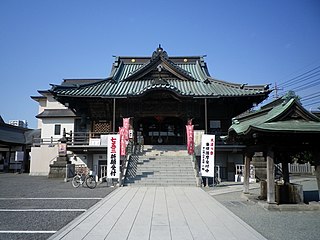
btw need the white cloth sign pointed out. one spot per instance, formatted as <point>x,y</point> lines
<point>113,156</point>
<point>207,155</point>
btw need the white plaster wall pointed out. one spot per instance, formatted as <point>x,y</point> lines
<point>41,158</point>
<point>79,159</point>
<point>42,106</point>
<point>96,159</point>
<point>47,130</point>
<point>48,103</point>
<point>52,103</point>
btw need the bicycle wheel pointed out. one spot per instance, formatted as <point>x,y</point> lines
<point>91,182</point>
<point>76,181</point>
<point>215,181</point>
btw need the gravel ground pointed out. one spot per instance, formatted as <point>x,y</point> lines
<point>15,188</point>
<point>275,225</point>
<point>36,195</point>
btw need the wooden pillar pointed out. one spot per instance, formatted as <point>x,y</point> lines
<point>270,177</point>
<point>316,160</point>
<point>114,116</point>
<point>205,116</point>
<point>247,160</point>
<point>285,171</point>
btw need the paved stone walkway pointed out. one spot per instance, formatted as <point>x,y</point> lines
<point>178,213</point>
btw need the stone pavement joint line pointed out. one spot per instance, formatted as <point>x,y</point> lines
<point>176,213</point>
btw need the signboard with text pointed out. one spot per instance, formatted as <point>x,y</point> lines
<point>113,156</point>
<point>207,155</point>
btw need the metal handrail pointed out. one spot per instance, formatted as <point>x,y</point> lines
<point>124,166</point>
<point>196,169</point>
<point>73,138</point>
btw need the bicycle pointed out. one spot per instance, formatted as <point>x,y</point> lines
<point>80,179</point>
<point>216,181</point>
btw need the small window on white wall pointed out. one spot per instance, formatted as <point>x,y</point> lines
<point>215,124</point>
<point>57,129</point>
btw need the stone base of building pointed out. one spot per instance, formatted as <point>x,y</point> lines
<point>59,168</point>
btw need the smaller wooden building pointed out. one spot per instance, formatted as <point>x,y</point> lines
<point>15,140</point>
<point>279,130</point>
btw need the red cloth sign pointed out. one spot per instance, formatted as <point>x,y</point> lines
<point>190,139</point>
<point>122,142</point>
<point>126,125</point>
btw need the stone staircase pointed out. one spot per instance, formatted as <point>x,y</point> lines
<point>161,165</point>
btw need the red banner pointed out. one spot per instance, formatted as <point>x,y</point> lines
<point>126,124</point>
<point>190,139</point>
<point>122,142</point>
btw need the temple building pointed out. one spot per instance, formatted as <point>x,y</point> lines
<point>159,94</point>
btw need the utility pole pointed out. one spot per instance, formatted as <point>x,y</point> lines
<point>276,95</point>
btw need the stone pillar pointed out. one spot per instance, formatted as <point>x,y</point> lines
<point>246,176</point>
<point>270,177</point>
<point>58,167</point>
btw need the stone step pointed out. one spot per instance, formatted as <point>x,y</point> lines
<point>165,184</point>
<point>160,171</point>
<point>163,175</point>
<point>160,180</point>
<point>165,169</point>
<point>154,163</point>
<point>164,162</point>
<point>162,166</point>
<point>160,161</point>
<point>165,157</point>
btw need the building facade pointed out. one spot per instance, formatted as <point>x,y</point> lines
<point>159,94</point>
<point>15,146</point>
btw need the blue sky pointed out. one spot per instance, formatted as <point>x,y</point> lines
<point>249,41</point>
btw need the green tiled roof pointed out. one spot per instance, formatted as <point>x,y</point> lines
<point>185,76</point>
<point>287,116</point>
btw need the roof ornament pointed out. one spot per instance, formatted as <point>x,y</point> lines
<point>159,49</point>
<point>243,85</point>
<point>288,96</point>
<point>159,52</point>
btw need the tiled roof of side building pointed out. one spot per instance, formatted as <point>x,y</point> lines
<point>285,116</point>
<point>51,113</point>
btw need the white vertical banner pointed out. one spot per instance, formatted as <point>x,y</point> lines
<point>19,156</point>
<point>207,155</point>
<point>113,156</point>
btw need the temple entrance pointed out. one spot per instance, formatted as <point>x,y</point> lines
<point>159,130</point>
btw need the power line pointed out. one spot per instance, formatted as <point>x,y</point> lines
<point>310,97</point>
<point>308,85</point>
<point>292,79</point>
<point>299,80</point>
<point>309,104</point>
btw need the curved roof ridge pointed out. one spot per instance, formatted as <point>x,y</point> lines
<point>78,86</point>
<point>239,85</point>
<point>181,70</point>
<point>157,60</point>
<point>117,72</point>
<point>167,86</point>
<point>287,105</point>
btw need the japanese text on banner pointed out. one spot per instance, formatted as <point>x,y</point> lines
<point>207,155</point>
<point>190,139</point>
<point>126,125</point>
<point>113,156</point>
